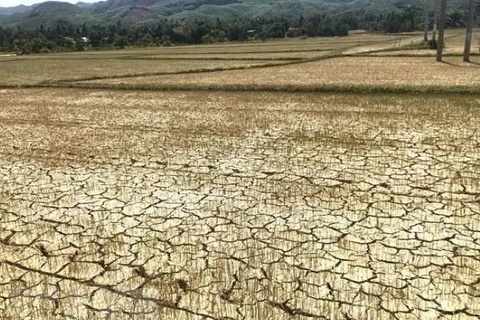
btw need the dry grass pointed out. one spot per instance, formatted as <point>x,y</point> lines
<point>454,45</point>
<point>455,41</point>
<point>217,113</point>
<point>189,206</point>
<point>405,53</point>
<point>30,71</point>
<point>244,56</point>
<point>387,44</point>
<point>282,45</point>
<point>288,46</point>
<point>345,71</point>
<point>150,61</point>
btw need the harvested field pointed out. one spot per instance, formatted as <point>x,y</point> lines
<point>455,44</point>
<point>342,72</point>
<point>406,53</point>
<point>277,46</point>
<point>31,71</point>
<point>250,205</point>
<point>238,206</point>
<point>284,55</point>
<point>283,45</point>
<point>389,43</point>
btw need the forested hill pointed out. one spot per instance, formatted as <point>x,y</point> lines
<point>145,22</point>
<point>135,11</point>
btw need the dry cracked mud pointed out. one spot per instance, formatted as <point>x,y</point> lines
<point>138,205</point>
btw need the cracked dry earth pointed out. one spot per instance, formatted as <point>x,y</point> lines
<point>139,205</point>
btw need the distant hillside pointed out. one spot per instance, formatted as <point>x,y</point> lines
<point>84,4</point>
<point>54,8</point>
<point>134,11</point>
<point>13,10</point>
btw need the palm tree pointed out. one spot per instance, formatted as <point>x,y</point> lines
<point>441,30</point>
<point>468,35</point>
<point>426,20</point>
<point>455,19</point>
<point>435,22</point>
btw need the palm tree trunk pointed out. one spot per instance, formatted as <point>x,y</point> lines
<point>468,35</point>
<point>441,30</point>
<point>426,22</point>
<point>435,23</point>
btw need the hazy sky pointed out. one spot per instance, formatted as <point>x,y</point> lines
<point>12,3</point>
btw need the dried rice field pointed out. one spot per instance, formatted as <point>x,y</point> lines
<point>341,71</point>
<point>248,205</point>
<point>273,55</point>
<point>32,71</point>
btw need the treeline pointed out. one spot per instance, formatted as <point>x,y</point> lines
<point>65,36</point>
<point>404,19</point>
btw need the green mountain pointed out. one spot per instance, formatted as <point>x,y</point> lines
<point>13,10</point>
<point>135,11</point>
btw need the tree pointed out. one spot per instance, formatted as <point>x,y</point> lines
<point>468,34</point>
<point>429,13</point>
<point>3,40</point>
<point>409,15</point>
<point>96,35</point>
<point>435,23</point>
<point>455,19</point>
<point>426,19</point>
<point>441,30</point>
<point>7,39</point>
<point>199,30</point>
<point>120,42</point>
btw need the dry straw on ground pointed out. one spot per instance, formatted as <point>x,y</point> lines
<point>342,71</point>
<point>193,205</point>
<point>31,71</point>
<point>238,206</point>
<point>294,55</point>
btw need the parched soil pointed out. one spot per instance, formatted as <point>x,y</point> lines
<point>196,205</point>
